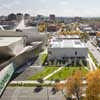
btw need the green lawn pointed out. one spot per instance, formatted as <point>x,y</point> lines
<point>66,72</point>
<point>46,71</point>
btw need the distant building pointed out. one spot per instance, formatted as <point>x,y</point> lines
<point>19,16</point>
<point>31,35</point>
<point>27,16</point>
<point>3,18</point>
<point>8,25</point>
<point>69,37</point>
<point>77,19</point>
<point>52,28</point>
<point>52,17</point>
<point>39,18</point>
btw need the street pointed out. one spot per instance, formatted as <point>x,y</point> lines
<point>94,51</point>
<point>31,93</point>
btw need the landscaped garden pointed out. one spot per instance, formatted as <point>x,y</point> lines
<point>46,71</point>
<point>66,72</point>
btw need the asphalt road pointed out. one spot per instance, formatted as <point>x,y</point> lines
<point>30,93</point>
<point>94,51</point>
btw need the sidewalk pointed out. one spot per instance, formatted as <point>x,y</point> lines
<point>36,82</point>
<point>45,78</point>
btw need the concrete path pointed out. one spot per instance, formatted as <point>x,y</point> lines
<point>45,78</point>
<point>36,82</point>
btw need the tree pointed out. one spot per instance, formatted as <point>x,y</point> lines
<point>60,87</point>
<point>11,17</point>
<point>26,16</point>
<point>74,85</point>
<point>84,36</point>
<point>19,14</point>
<point>93,87</point>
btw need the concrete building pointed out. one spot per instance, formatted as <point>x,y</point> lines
<point>11,46</point>
<point>52,28</point>
<point>63,37</point>
<point>31,35</point>
<point>14,53</point>
<point>60,49</point>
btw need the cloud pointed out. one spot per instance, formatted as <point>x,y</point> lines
<point>43,1</point>
<point>9,4</point>
<point>63,2</point>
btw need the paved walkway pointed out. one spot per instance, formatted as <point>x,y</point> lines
<point>36,82</point>
<point>45,78</point>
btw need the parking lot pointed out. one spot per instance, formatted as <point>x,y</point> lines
<point>31,93</point>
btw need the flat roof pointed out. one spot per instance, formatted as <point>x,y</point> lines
<point>67,44</point>
<point>68,36</point>
<point>5,41</point>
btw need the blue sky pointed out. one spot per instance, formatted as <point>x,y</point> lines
<point>87,8</point>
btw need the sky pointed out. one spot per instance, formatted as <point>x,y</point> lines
<point>82,8</point>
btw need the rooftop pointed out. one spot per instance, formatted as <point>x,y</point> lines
<point>5,41</point>
<point>67,44</point>
<point>68,37</point>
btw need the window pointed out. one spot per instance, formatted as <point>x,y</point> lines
<point>75,52</point>
<point>50,52</point>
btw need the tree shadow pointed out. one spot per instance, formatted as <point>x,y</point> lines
<point>38,89</point>
<point>53,90</point>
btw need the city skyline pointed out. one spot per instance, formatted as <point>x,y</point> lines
<point>86,8</point>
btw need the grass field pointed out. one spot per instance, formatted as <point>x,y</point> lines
<point>61,75</point>
<point>46,71</point>
<point>66,72</point>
